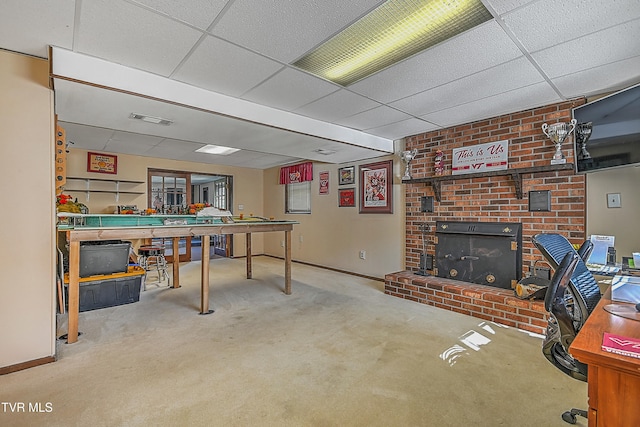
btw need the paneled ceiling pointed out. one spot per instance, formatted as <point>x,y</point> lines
<point>221,71</point>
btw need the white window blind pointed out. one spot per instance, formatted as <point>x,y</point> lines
<point>298,197</point>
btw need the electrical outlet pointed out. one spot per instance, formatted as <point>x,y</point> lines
<point>301,239</point>
<point>282,243</point>
<point>363,254</point>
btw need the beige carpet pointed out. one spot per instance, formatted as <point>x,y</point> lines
<point>337,352</point>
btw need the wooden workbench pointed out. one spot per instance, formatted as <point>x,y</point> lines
<point>76,235</point>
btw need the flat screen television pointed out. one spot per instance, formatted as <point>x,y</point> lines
<point>615,135</point>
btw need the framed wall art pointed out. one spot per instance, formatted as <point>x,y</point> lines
<point>102,163</point>
<point>347,175</point>
<point>347,197</point>
<point>376,187</point>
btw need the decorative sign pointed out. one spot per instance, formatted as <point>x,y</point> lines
<point>347,197</point>
<point>480,158</point>
<point>346,175</point>
<point>375,187</point>
<point>102,163</point>
<point>324,182</point>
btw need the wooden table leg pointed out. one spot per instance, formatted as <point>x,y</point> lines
<point>249,274</point>
<point>287,262</point>
<point>176,262</point>
<point>74,291</point>
<point>204,280</point>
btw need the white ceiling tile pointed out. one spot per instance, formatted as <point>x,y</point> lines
<point>130,143</point>
<point>86,137</point>
<point>597,80</point>
<point>502,78</point>
<point>207,68</point>
<point>199,13</point>
<point>549,22</point>
<point>517,100</point>
<point>25,24</point>
<point>591,51</point>
<point>287,30</point>
<point>502,6</point>
<point>337,105</point>
<point>127,34</point>
<point>480,48</point>
<point>290,89</point>
<point>403,128</point>
<point>378,116</point>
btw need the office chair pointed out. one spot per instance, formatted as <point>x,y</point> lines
<point>571,297</point>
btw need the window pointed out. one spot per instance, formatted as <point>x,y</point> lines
<point>298,197</point>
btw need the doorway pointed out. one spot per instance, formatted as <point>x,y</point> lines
<point>171,192</point>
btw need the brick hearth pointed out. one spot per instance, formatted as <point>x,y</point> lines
<point>484,302</point>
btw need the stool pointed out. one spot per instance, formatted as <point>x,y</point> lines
<point>151,258</point>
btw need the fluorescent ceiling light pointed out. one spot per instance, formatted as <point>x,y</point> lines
<point>392,32</point>
<point>217,149</point>
<point>150,119</point>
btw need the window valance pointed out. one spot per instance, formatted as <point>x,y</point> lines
<point>296,173</point>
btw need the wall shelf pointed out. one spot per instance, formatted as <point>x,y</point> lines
<point>115,190</point>
<point>516,176</point>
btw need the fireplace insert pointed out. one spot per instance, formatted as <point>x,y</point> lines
<point>485,253</point>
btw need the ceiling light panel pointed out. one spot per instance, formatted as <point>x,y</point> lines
<point>392,32</point>
<point>217,149</point>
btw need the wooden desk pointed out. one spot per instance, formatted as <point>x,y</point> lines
<point>613,380</point>
<point>80,234</point>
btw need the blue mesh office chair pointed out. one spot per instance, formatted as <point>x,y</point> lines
<point>571,297</point>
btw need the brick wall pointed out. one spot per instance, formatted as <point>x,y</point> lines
<point>491,199</point>
<point>494,198</point>
<point>484,302</point>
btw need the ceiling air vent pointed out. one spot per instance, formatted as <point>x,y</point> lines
<point>150,119</point>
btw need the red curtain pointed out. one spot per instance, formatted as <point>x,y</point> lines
<point>296,173</point>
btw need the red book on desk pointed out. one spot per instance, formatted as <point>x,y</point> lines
<point>621,345</point>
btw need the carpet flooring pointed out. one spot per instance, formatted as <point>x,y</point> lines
<point>337,352</point>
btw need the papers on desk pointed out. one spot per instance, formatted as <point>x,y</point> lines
<point>603,270</point>
<point>621,345</point>
<point>601,245</point>
<point>625,289</point>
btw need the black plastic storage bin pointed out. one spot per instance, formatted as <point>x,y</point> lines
<point>109,292</point>
<point>104,257</point>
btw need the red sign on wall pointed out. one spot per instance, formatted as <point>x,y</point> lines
<point>480,158</point>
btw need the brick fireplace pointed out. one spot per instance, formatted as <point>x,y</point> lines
<point>498,197</point>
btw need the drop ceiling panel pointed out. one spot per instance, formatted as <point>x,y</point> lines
<point>550,22</point>
<point>24,24</point>
<point>207,67</point>
<point>378,116</point>
<point>143,40</point>
<point>502,78</point>
<point>290,89</point>
<point>600,79</point>
<point>287,30</point>
<point>482,47</point>
<point>128,143</point>
<point>199,13</point>
<point>502,6</point>
<point>86,137</point>
<point>591,51</point>
<point>337,105</point>
<point>526,98</point>
<point>403,128</point>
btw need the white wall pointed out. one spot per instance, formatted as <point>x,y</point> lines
<point>27,239</point>
<point>620,222</point>
<point>333,236</point>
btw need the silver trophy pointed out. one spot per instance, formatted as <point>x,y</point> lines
<point>407,157</point>
<point>583,133</point>
<point>558,133</point>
